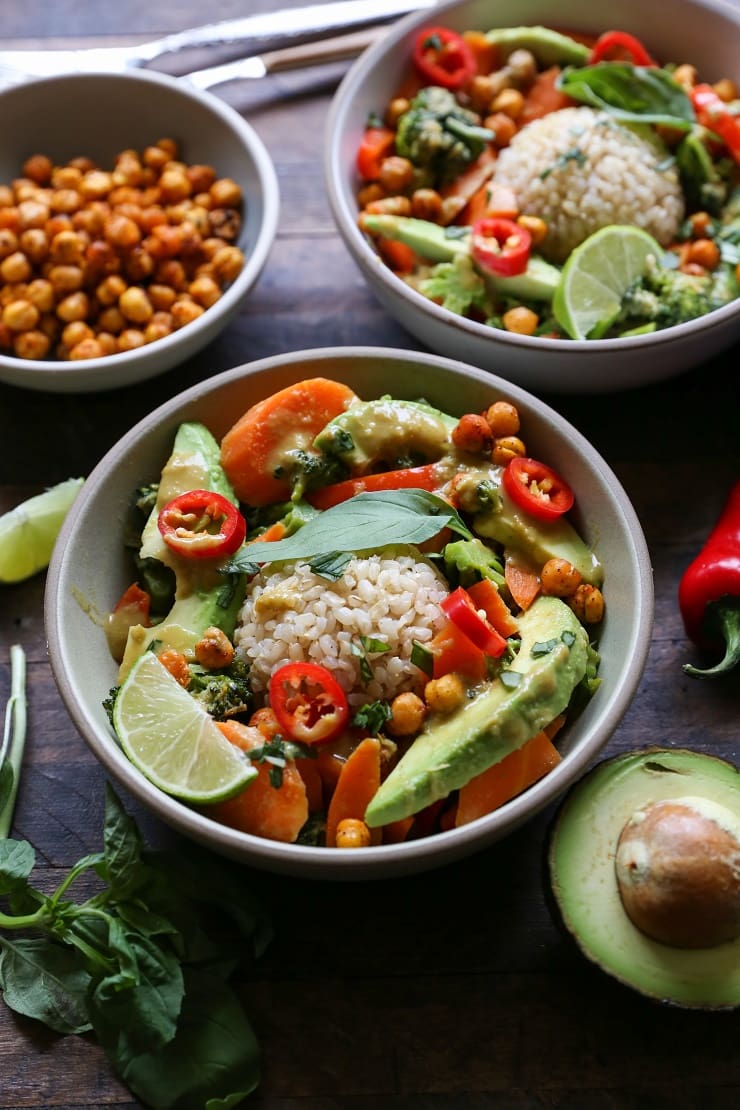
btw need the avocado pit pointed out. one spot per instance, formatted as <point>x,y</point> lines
<point>678,872</point>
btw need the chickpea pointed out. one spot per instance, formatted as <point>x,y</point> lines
<point>15,267</point>
<point>693,268</point>
<point>65,200</point>
<point>204,290</point>
<point>536,227</point>
<point>83,164</point>
<point>95,185</point>
<point>128,169</point>
<point>588,604</point>
<point>503,418</point>
<point>130,339</point>
<point>184,312</point>
<point>67,247</point>
<point>510,102</point>
<point>66,177</point>
<point>158,327</point>
<point>9,218</point>
<point>201,178</point>
<point>407,715</point>
<point>704,252</point>
<point>57,223</point>
<point>176,663</point>
<point>426,204</point>
<point>225,222</point>
<point>8,242</point>
<point>226,193</point>
<point>75,332</point>
<point>481,91</point>
<point>725,89</point>
<point>521,320</point>
<point>396,174</point>
<point>32,213</point>
<point>65,279</point>
<point>686,76</point>
<point>139,264</point>
<point>155,157</point>
<point>227,263</point>
<point>89,347</point>
<point>522,66</point>
<point>445,694</point>
<point>472,433</point>
<point>75,306</point>
<point>214,649</point>
<point>135,305</point>
<point>164,241</point>
<point>38,167</point>
<point>107,342</point>
<point>41,293</point>
<point>50,326</point>
<point>35,244</point>
<point>161,296</point>
<point>700,223</point>
<point>391,206</point>
<point>152,215</point>
<point>352,833</point>
<point>21,315</point>
<point>559,578</point>
<point>7,200</point>
<point>396,108</point>
<point>174,185</point>
<point>171,272</point>
<point>121,232</point>
<point>31,344</point>
<point>110,289</point>
<point>506,448</point>
<point>503,127</point>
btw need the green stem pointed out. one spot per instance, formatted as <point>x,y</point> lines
<point>35,920</point>
<point>14,732</point>
<point>726,618</point>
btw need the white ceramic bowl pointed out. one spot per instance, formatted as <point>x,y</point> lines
<point>90,569</point>
<point>703,32</point>
<point>97,115</point>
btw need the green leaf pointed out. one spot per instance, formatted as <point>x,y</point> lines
<point>17,860</point>
<point>46,981</point>
<point>212,1061</point>
<point>7,782</point>
<point>634,94</point>
<point>122,844</point>
<point>366,522</point>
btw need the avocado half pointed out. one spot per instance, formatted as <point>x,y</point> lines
<point>582,860</point>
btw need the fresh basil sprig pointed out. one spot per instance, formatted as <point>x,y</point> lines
<point>134,963</point>
<point>366,522</point>
<point>632,94</point>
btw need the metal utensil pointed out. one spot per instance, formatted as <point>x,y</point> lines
<point>250,34</point>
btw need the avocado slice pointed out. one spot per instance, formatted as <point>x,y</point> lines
<point>387,432</point>
<point>538,282</point>
<point>550,48</point>
<point>431,241</point>
<point>452,750</point>
<point>194,463</point>
<point>583,851</point>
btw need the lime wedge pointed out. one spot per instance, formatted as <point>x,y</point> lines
<point>172,740</point>
<point>597,275</point>
<point>28,532</point>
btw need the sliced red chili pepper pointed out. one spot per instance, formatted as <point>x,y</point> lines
<point>309,703</point>
<point>414,477</point>
<point>377,142</point>
<point>713,113</point>
<point>459,608</point>
<point>443,57</point>
<point>202,524</point>
<point>500,246</point>
<point>619,43</point>
<point>537,489</point>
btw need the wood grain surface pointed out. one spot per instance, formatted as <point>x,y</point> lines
<point>451,990</point>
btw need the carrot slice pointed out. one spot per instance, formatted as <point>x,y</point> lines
<point>523,582</point>
<point>486,53</point>
<point>358,782</point>
<point>313,783</point>
<point>399,256</point>
<point>490,200</point>
<point>498,784</point>
<point>397,831</point>
<point>543,97</point>
<point>473,178</point>
<point>273,812</point>
<point>275,532</point>
<point>255,447</point>
<point>486,596</point>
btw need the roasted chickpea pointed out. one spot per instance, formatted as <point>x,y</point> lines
<point>174,185</point>
<point>521,320</point>
<point>90,347</point>
<point>21,315</point>
<point>64,200</point>
<point>35,244</point>
<point>214,649</point>
<point>32,213</point>
<point>130,339</point>
<point>226,193</point>
<point>41,293</point>
<point>704,252</point>
<point>472,433</point>
<point>506,448</point>
<point>503,127</point>
<point>8,241</point>
<point>426,204</point>
<point>536,227</point>
<point>201,178</point>
<point>407,715</point>
<point>390,206</point>
<point>227,263</point>
<point>121,232</point>
<point>725,89</point>
<point>75,306</point>
<point>66,177</point>
<point>396,108</point>
<point>161,296</point>
<point>135,305</point>
<point>65,279</point>
<point>588,604</point>
<point>15,267</point>
<point>445,694</point>
<point>158,327</point>
<point>75,332</point>
<point>95,185</point>
<point>38,167</point>
<point>204,290</point>
<point>185,311</point>
<point>31,344</point>
<point>67,247</point>
<point>352,833</point>
<point>510,102</point>
<point>503,418</point>
<point>559,578</point>
<point>396,174</point>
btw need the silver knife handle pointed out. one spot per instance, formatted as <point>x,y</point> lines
<point>284,26</point>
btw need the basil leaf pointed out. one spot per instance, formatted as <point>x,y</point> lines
<point>366,522</point>
<point>331,566</point>
<point>7,782</point>
<point>635,94</point>
<point>372,716</point>
<point>17,859</point>
<point>122,844</point>
<point>45,981</point>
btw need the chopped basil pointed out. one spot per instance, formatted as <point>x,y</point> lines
<point>511,679</point>
<point>372,716</point>
<point>422,658</point>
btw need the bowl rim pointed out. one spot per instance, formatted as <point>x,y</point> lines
<point>375,270</point>
<point>269,191</point>
<point>383,860</point>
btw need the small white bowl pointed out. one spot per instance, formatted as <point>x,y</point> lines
<point>97,115</point>
<point>703,32</point>
<point>90,569</point>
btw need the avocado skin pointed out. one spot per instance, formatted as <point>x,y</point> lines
<point>452,750</point>
<point>549,47</point>
<point>387,431</point>
<point>538,282</point>
<point>579,855</point>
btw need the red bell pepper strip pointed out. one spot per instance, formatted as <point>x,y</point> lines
<point>377,142</point>
<point>202,524</point>
<point>500,246</point>
<point>622,42</point>
<point>443,57</point>
<point>414,477</point>
<point>460,609</point>
<point>309,703</point>
<point>537,489</point>
<point>709,591</point>
<point>712,113</point>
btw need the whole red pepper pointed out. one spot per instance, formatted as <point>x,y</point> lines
<point>709,592</point>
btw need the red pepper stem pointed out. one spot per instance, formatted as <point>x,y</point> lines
<point>725,616</point>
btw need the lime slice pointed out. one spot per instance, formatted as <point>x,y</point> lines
<point>172,740</point>
<point>597,275</point>
<point>28,532</point>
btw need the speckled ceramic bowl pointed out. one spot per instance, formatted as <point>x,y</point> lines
<point>90,569</point>
<point>704,32</point>
<point>97,115</point>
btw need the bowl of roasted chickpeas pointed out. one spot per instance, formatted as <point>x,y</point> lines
<point>136,212</point>
<point>548,190</point>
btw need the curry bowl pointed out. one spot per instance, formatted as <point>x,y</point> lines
<point>91,568</point>
<point>554,175</point>
<point>107,214</point>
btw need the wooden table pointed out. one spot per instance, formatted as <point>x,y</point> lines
<point>452,990</point>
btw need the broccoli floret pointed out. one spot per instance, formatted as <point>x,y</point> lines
<point>222,693</point>
<point>467,561</point>
<point>456,285</point>
<point>439,136</point>
<point>311,470</point>
<point>669,296</point>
